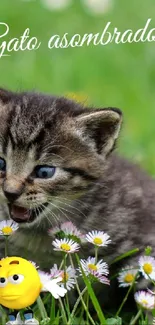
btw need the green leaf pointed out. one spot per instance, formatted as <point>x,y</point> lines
<point>56,321</point>
<point>92,295</point>
<point>114,321</point>
<point>52,312</point>
<point>122,256</point>
<point>148,250</point>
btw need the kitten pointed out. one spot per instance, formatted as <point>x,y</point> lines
<point>57,164</point>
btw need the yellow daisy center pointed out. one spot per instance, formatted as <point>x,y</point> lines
<point>129,278</point>
<point>92,267</point>
<point>97,241</point>
<point>64,276</point>
<point>65,247</point>
<point>144,302</point>
<point>7,230</point>
<point>147,267</point>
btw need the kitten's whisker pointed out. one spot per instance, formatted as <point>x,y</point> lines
<point>70,207</point>
<point>53,214</point>
<point>59,209</point>
<point>38,209</point>
<point>29,212</point>
<point>50,221</point>
<point>71,200</point>
<point>69,211</point>
<point>44,209</point>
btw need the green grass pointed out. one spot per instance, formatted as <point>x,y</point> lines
<point>114,75</point>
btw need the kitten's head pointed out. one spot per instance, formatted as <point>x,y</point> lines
<point>50,149</point>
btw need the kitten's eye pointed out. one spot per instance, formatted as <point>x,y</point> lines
<point>44,171</point>
<point>2,165</point>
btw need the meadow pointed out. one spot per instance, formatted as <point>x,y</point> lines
<point>120,76</point>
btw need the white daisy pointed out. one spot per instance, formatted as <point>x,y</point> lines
<point>55,272</point>
<point>103,279</point>
<point>147,267</point>
<point>44,276</point>
<point>51,285</point>
<point>8,227</point>
<point>144,299</point>
<point>56,4</point>
<point>65,245</point>
<point>98,238</point>
<point>68,276</point>
<point>54,231</point>
<point>127,276</point>
<point>98,6</point>
<point>89,266</point>
<point>68,229</point>
<point>95,271</point>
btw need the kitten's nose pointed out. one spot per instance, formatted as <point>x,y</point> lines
<point>12,189</point>
<point>12,196</point>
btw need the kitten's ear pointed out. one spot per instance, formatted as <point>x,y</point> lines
<point>101,128</point>
<point>5,108</point>
<point>5,96</point>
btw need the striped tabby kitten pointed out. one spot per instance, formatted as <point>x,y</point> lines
<point>56,164</point>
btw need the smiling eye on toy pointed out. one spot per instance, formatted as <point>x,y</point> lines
<point>3,282</point>
<point>16,278</point>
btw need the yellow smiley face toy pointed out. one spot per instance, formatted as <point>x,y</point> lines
<point>20,283</point>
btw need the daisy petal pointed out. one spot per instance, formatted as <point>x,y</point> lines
<point>67,230</point>
<point>54,288</point>
<point>67,276</point>
<point>144,299</point>
<point>96,271</point>
<point>147,267</point>
<point>98,238</point>
<point>8,227</point>
<point>65,245</point>
<point>127,276</point>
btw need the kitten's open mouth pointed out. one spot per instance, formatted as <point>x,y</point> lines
<point>21,214</point>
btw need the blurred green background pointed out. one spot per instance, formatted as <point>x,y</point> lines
<point>114,75</point>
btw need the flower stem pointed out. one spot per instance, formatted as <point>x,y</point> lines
<point>96,254</point>
<point>134,321</point>
<point>63,261</point>
<point>126,296</point>
<point>79,292</point>
<point>65,280</point>
<point>63,311</point>
<point>124,300</point>
<point>76,305</point>
<point>42,308</point>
